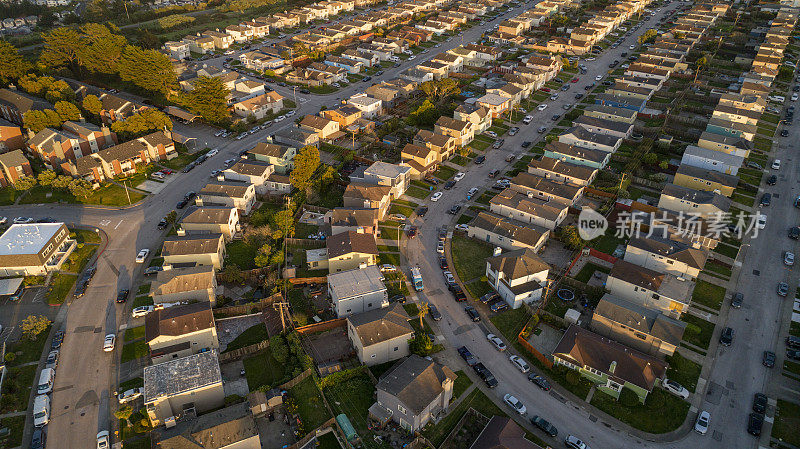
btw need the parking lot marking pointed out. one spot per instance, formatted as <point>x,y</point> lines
<point>120,222</point>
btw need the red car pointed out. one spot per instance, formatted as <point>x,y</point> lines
<point>574,80</point>
<point>167,171</point>
<point>545,89</point>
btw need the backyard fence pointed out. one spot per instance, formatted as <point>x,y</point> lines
<point>301,377</point>
<point>321,327</point>
<point>533,351</point>
<point>240,353</point>
<point>305,243</point>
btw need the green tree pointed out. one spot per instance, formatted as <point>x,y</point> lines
<point>148,69</point>
<point>143,122</point>
<point>284,220</point>
<point>58,90</point>
<point>92,104</point>
<point>425,115</point>
<point>38,120</point>
<point>172,218</point>
<point>650,158</point>
<point>648,36</point>
<point>306,163</point>
<point>32,84</point>
<point>262,257</point>
<point>421,344</point>
<point>571,238</point>
<point>46,177</point>
<point>61,182</point>
<point>441,89</point>
<point>68,111</point>
<point>80,188</point>
<point>61,49</point>
<point>101,50</point>
<point>12,65</point>
<point>33,325</point>
<point>124,412</point>
<point>25,183</point>
<point>325,179</point>
<point>208,100</point>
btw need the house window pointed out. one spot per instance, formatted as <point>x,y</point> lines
<point>655,296</point>
<point>593,371</point>
<point>373,356</point>
<point>396,348</point>
<point>640,336</point>
<point>401,409</point>
<point>614,386</point>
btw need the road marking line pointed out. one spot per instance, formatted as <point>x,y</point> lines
<point>105,222</point>
<point>120,222</point>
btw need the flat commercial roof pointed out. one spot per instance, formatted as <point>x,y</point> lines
<point>9,286</point>
<point>27,238</point>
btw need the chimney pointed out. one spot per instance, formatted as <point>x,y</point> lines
<point>497,250</point>
<point>613,367</point>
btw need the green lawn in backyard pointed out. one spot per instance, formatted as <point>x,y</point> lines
<point>133,333</point>
<point>461,384</point>
<point>250,336</point>
<point>353,397</point>
<point>469,257</point>
<point>328,441</point>
<point>16,425</point>
<point>309,402</point>
<point>661,413</point>
<point>787,421</point>
<point>718,269</point>
<point>608,242</point>
<point>708,294</point>
<point>477,288</point>
<point>17,388</point>
<point>511,322</point>
<point>588,270</point>
<point>133,351</point>
<point>390,258</point>
<point>60,285</point>
<point>701,336</point>
<point>388,249</point>
<point>417,192</point>
<point>388,232</point>
<point>444,172</point>
<point>241,254</point>
<point>683,371</point>
<point>262,369</point>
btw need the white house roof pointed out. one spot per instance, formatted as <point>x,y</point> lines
<point>27,238</point>
<point>360,281</point>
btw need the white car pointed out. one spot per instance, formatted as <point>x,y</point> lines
<point>776,164</point>
<point>23,220</point>
<point>491,134</point>
<point>280,118</point>
<point>448,277</point>
<point>794,96</point>
<point>554,97</point>
<point>130,395</point>
<point>241,136</point>
<point>212,153</point>
<point>142,311</point>
<point>459,176</point>
<point>142,256</point>
<point>436,196</point>
<point>102,440</point>
<point>290,113</point>
<point>520,363</point>
<point>462,227</point>
<point>788,258</point>
<point>3,220</point>
<point>598,77</point>
<point>108,343</point>
<point>388,268</point>
<point>761,223</point>
<point>515,403</point>
<point>496,341</point>
<point>703,420</point>
<point>440,247</point>
<point>676,388</point>
<point>542,107</point>
<point>591,58</point>
<point>631,46</point>
<point>472,192</point>
<point>527,119</point>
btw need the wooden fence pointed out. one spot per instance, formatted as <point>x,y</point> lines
<point>305,243</point>
<point>249,308</point>
<point>319,431</point>
<point>536,354</point>
<point>311,280</point>
<point>240,353</point>
<point>301,377</point>
<point>321,327</point>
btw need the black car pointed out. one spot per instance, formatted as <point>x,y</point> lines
<point>794,232</point>
<point>182,203</point>
<point>540,381</point>
<point>366,78</point>
<point>556,117</point>
<point>422,211</point>
<point>489,297</point>
<point>434,312</point>
<point>188,168</point>
<point>443,263</point>
<point>398,298</point>
<point>58,339</point>
<point>760,403</point>
<point>305,91</point>
<point>480,159</point>
<point>772,180</point>
<point>526,144</point>
<point>768,359</point>
<point>793,354</point>
<point>726,338</point>
<point>754,423</point>
<point>736,300</point>
<point>162,224</point>
<point>578,96</point>
<point>458,294</point>
<point>122,295</point>
<point>766,199</point>
<point>467,356</point>
<point>498,305</point>
<point>38,439</point>
<point>455,209</point>
<point>545,425</point>
<point>485,375</point>
<point>472,313</point>
<point>449,185</point>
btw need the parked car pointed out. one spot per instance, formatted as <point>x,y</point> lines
<point>768,359</point>
<point>485,375</point>
<point>102,440</point>
<point>702,422</point>
<point>467,356</point>
<point>760,403</point>
<point>459,176</point>
<point>788,258</point>
<point>675,388</point>
<point>736,300</point>
<point>480,159</point>
<point>122,295</point>
<point>539,381</point>
<point>726,338</point>
<point>544,425</point>
<point>520,363</point>
<point>434,312</point>
<point>141,311</point>
<point>435,197</point>
<point>497,342</point>
<point>754,423</point>
<point>142,256</point>
<point>52,359</point>
<point>515,404</point>
<point>783,289</point>
<point>130,395</point>
<point>573,442</point>
<point>108,342</point>
<point>472,313</point>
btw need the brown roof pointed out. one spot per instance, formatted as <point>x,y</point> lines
<point>178,280</point>
<point>251,167</point>
<point>518,263</point>
<point>379,325</point>
<point>231,189</point>
<point>503,433</point>
<point>191,244</point>
<point>587,349</point>
<point>451,123</point>
<point>528,234</point>
<point>637,275</point>
<point>13,158</point>
<point>178,320</point>
<point>416,150</point>
<point>525,181</point>
<point>351,242</point>
<point>695,258</point>
<point>269,149</point>
<point>315,122</point>
<point>344,216</point>
<point>208,214</point>
<point>366,191</point>
<point>564,168</point>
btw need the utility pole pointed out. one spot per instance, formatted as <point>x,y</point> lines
<point>279,307</point>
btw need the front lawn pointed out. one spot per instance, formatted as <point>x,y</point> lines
<point>417,192</point>
<point>184,158</point>
<point>133,351</point>
<point>469,257</point>
<point>683,371</point>
<point>17,388</point>
<point>109,194</point>
<point>787,421</point>
<point>60,286</point>
<point>309,403</point>
<point>708,294</point>
<point>250,336</point>
<point>698,332</point>
<point>444,172</point>
<point>134,333</point>
<point>511,322</point>
<point>461,384</point>
<point>77,261</point>
<point>661,413</point>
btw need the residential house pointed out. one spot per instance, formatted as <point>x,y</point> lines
<point>324,128</point>
<point>421,160</point>
<point>199,44</point>
<point>241,195</point>
<point>690,201</point>
<point>604,126</point>
<point>582,137</point>
<point>177,50</point>
<point>345,251</point>
<point>726,127</point>
<point>123,159</point>
<point>528,209</point>
<point>397,177</point>
<point>666,256</point>
<point>211,220</point>
<point>611,366</point>
<point>610,113</point>
<point>369,107</point>
<point>14,104</point>
<point>345,219</point>
<point>279,156</point>
<point>726,144</point>
<point>34,249</point>
<point>179,331</point>
<point>703,179</point>
<point>506,233</point>
<point>594,158</point>
<point>546,189</point>
<point>186,284</point>
<point>10,136</point>
<point>232,427</point>
<point>562,171</point>
<point>13,167</point>
<point>518,276</point>
<point>368,196</point>
<point>357,291</point>
<point>250,171</point>
<point>645,330</point>
<point>480,117</point>
<point>502,432</point>
<point>413,392</point>
<point>194,250</point>
<point>662,291</point>
<point>462,131</point>
<point>259,106</point>
<point>351,65</point>
<point>443,144</point>
<point>380,335</point>
<point>345,115</point>
<point>496,104</point>
<point>712,160</point>
<point>221,40</point>
<point>183,387</point>
<point>117,108</point>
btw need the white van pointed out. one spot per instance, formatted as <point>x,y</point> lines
<point>46,379</point>
<point>41,410</point>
